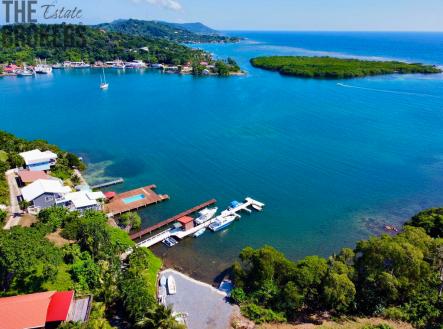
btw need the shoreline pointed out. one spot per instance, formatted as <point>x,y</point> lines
<point>164,71</point>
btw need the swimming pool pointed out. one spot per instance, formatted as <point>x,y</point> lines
<point>133,198</point>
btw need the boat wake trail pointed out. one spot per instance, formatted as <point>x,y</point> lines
<point>388,91</point>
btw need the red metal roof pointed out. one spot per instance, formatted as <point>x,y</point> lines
<point>34,310</point>
<point>31,176</point>
<point>27,311</point>
<point>185,220</point>
<point>59,306</point>
<point>110,195</point>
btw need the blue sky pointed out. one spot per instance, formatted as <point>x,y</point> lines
<point>380,15</point>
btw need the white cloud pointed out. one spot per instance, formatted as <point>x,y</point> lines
<point>168,4</point>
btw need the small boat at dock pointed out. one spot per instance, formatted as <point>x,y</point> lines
<point>25,72</point>
<point>43,68</point>
<point>199,232</point>
<point>172,287</point>
<point>170,242</point>
<point>205,215</point>
<point>222,222</point>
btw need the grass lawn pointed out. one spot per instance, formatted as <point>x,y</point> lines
<point>3,156</point>
<point>155,264</point>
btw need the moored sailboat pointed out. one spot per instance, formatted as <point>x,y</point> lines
<point>103,84</point>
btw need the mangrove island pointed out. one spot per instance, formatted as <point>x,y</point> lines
<point>337,68</point>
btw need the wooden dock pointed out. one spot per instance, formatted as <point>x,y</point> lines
<point>168,221</point>
<point>119,204</point>
<point>110,183</point>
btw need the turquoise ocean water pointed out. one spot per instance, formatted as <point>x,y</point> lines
<point>334,161</point>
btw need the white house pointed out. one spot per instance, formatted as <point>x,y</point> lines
<point>43,193</point>
<point>37,160</point>
<point>82,200</point>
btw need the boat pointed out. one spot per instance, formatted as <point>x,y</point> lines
<point>25,72</point>
<point>103,84</point>
<point>163,281</point>
<point>222,222</point>
<point>57,66</point>
<point>43,68</point>
<point>135,64</point>
<point>172,287</point>
<point>256,207</point>
<point>119,65</point>
<point>226,286</point>
<point>205,215</point>
<point>80,65</point>
<point>199,232</point>
<point>157,66</point>
<point>170,242</point>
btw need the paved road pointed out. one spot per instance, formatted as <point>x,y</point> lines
<point>14,207</point>
<point>205,305</point>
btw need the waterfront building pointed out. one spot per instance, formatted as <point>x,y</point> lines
<point>82,201</point>
<point>44,193</point>
<point>37,160</point>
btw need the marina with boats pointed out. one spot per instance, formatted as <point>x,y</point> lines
<point>184,225</point>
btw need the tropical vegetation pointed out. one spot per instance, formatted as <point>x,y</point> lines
<point>182,33</point>
<point>66,42</point>
<point>337,68</point>
<point>131,220</point>
<point>398,277</point>
<point>88,262</point>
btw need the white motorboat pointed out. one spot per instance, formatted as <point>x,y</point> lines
<point>199,232</point>
<point>135,64</point>
<point>172,287</point>
<point>222,222</point>
<point>205,215</point>
<point>25,72</point>
<point>43,68</point>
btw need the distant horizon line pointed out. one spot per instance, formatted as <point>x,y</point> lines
<point>310,30</point>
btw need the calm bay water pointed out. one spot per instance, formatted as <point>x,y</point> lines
<point>333,161</point>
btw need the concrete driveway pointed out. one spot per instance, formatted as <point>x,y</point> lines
<point>205,306</point>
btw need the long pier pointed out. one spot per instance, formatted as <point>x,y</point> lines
<point>110,183</point>
<point>168,221</point>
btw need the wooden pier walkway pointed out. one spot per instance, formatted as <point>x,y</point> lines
<point>168,221</point>
<point>133,200</point>
<point>110,183</point>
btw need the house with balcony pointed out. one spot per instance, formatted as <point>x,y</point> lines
<point>82,200</point>
<point>37,160</point>
<point>44,193</point>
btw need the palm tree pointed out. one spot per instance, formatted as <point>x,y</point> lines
<point>161,318</point>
